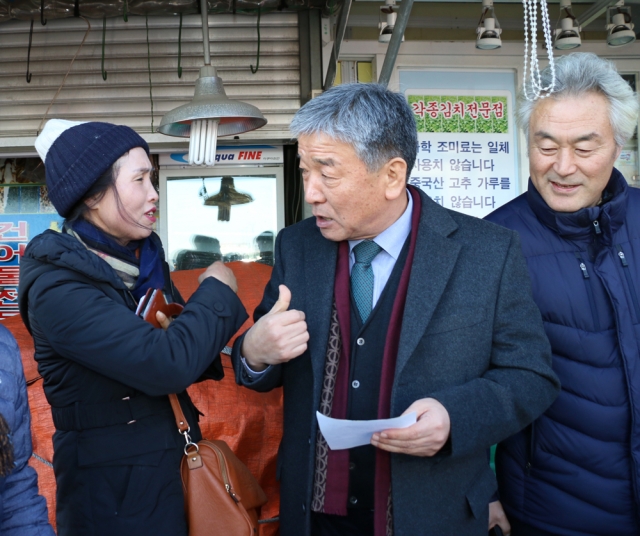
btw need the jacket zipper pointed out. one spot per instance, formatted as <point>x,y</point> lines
<point>627,274</point>
<point>133,300</point>
<point>634,299</point>
<point>592,302</point>
<point>527,467</point>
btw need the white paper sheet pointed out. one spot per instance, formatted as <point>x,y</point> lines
<point>345,434</point>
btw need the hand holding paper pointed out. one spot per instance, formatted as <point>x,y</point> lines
<point>425,438</point>
<point>346,434</point>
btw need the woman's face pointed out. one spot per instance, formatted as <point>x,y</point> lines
<point>134,216</point>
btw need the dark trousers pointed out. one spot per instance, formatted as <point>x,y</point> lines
<point>518,528</point>
<point>357,522</point>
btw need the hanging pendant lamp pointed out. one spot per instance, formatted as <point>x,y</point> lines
<point>211,113</point>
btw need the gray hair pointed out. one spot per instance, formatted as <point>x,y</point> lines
<point>375,121</point>
<point>579,73</point>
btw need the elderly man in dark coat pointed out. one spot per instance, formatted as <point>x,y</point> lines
<point>385,303</point>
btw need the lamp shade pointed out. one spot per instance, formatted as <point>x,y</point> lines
<point>385,34</point>
<point>620,31</point>
<point>568,35</point>
<point>489,35</point>
<point>211,102</point>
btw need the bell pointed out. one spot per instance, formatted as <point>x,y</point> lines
<point>227,196</point>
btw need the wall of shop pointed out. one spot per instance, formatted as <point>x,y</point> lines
<point>141,59</point>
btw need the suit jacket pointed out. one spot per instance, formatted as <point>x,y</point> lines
<point>471,337</point>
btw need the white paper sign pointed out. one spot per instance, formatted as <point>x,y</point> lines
<point>345,434</point>
<point>466,159</point>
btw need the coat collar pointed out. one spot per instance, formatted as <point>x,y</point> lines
<point>320,258</point>
<point>579,225</point>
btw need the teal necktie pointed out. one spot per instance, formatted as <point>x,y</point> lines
<point>362,276</point>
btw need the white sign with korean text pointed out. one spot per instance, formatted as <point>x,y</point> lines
<point>466,157</point>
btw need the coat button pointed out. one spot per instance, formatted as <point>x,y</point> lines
<point>353,500</point>
<point>352,466</point>
<point>355,384</point>
<point>360,341</point>
<point>218,307</point>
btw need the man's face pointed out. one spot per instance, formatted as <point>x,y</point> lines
<point>571,150</point>
<point>349,202</point>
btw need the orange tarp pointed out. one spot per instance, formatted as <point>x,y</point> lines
<point>250,422</point>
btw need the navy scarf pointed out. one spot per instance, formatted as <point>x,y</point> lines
<point>143,254</point>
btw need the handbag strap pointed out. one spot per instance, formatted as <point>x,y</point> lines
<point>181,421</point>
<point>191,449</point>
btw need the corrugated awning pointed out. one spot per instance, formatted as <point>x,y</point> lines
<point>60,9</point>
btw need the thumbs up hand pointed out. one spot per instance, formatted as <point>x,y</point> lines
<point>284,300</point>
<point>277,337</point>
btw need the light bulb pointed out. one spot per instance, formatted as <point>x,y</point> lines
<point>202,142</point>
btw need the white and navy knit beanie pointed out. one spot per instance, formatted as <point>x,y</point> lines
<point>77,154</point>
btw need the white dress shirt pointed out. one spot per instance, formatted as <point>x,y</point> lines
<point>391,241</point>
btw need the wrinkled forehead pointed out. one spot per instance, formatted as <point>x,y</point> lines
<point>324,148</point>
<point>582,116</point>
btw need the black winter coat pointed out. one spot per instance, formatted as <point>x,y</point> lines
<point>106,375</point>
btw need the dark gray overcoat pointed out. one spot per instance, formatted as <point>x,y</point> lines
<point>471,338</point>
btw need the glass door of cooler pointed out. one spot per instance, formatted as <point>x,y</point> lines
<point>227,214</point>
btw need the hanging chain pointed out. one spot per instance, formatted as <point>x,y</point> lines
<point>531,58</point>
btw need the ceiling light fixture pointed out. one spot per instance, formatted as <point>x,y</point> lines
<point>619,25</point>
<point>211,113</point>
<point>488,28</point>
<point>386,28</point>
<point>568,34</point>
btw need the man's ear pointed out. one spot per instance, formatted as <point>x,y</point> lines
<point>618,151</point>
<point>396,170</point>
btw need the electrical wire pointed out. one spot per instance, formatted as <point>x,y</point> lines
<point>66,75</point>
<point>146,21</point>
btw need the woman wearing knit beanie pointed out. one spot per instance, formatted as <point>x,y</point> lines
<point>107,373</point>
<point>22,511</point>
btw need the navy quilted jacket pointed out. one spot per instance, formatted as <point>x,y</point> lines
<point>22,511</point>
<point>576,470</point>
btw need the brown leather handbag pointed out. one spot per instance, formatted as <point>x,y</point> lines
<point>221,496</point>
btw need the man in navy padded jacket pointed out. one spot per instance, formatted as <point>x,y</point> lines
<point>576,469</point>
